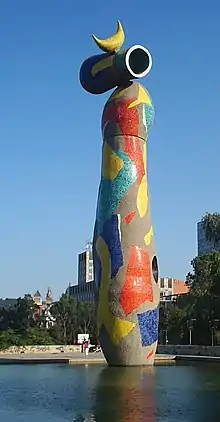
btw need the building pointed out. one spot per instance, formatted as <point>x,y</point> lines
<point>84,292</point>
<point>37,298</point>
<point>85,265</point>
<point>85,289</point>
<point>170,289</point>
<point>204,245</point>
<point>49,297</point>
<point>8,303</point>
<point>44,307</point>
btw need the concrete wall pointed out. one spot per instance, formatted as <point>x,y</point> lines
<point>189,350</point>
<point>41,349</point>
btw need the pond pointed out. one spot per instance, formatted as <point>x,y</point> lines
<point>59,393</point>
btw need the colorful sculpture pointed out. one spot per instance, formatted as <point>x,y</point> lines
<point>125,262</point>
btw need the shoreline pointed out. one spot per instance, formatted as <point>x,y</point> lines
<point>65,358</point>
<point>93,358</point>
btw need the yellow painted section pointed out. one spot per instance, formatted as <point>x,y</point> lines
<point>145,155</point>
<point>149,236</point>
<point>111,163</point>
<point>116,327</point>
<point>143,97</point>
<point>107,62</point>
<point>142,197</point>
<point>103,253</point>
<point>114,43</point>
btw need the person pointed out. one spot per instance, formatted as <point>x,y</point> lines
<point>98,347</point>
<point>86,347</point>
<point>82,347</point>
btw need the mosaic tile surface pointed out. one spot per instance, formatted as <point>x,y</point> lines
<point>125,261</point>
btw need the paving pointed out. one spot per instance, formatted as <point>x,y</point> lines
<point>93,358</point>
<point>67,358</point>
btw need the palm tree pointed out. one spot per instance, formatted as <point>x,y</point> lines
<point>211,225</point>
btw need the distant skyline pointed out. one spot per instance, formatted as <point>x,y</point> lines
<point>50,133</point>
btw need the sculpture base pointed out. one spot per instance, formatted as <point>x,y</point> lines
<point>129,352</point>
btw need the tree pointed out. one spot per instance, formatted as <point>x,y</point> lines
<point>65,312</point>
<point>19,317</point>
<point>38,336</point>
<point>9,338</point>
<point>7,318</point>
<point>87,319</point>
<point>205,278</point>
<point>211,225</point>
<point>177,324</point>
<point>204,296</point>
<point>173,324</point>
<point>25,310</point>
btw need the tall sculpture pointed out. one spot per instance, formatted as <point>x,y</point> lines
<point>125,261</point>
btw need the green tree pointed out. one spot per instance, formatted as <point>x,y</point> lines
<point>173,324</point>
<point>38,336</point>
<point>86,321</point>
<point>25,310</point>
<point>7,318</point>
<point>9,338</point>
<point>177,324</point>
<point>65,312</point>
<point>211,225</point>
<point>204,281</point>
<point>204,296</point>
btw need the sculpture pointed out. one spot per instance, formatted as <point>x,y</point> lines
<point>125,261</point>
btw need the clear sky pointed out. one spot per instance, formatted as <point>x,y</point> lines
<point>50,135</point>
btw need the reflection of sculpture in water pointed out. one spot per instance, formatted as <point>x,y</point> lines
<point>125,395</point>
<point>125,261</point>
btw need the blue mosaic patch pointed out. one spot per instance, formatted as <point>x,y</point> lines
<point>148,325</point>
<point>111,192</point>
<point>111,237</point>
<point>149,115</point>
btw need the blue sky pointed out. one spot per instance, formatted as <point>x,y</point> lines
<point>50,135</point>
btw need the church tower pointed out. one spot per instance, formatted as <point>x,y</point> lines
<point>49,296</point>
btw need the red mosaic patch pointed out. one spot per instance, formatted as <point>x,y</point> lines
<point>137,288</point>
<point>135,153</point>
<point>150,354</point>
<point>129,217</point>
<point>126,118</point>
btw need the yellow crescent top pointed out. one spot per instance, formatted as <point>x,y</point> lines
<point>112,44</point>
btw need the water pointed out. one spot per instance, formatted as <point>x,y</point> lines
<point>60,393</point>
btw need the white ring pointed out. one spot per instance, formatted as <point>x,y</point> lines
<point>127,57</point>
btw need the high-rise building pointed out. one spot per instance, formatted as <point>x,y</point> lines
<point>170,288</point>
<point>85,265</point>
<point>204,245</point>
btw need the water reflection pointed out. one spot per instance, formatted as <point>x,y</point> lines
<point>125,395</point>
<point>188,393</point>
<point>65,393</point>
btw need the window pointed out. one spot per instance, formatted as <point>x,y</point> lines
<point>170,284</point>
<point>162,283</point>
